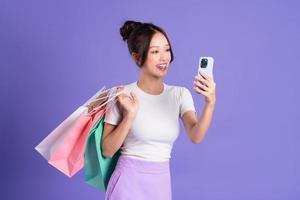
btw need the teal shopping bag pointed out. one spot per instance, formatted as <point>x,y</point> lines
<point>97,168</point>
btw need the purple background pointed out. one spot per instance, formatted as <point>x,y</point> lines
<point>56,54</point>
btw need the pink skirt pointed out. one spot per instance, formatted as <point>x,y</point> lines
<point>135,179</point>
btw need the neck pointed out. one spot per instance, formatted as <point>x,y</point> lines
<point>150,85</point>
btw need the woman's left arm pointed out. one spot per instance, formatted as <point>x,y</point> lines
<point>196,129</point>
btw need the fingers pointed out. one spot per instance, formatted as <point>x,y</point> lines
<point>197,89</point>
<point>201,79</point>
<point>120,88</point>
<point>201,86</point>
<point>134,97</point>
<point>206,79</point>
<point>206,76</point>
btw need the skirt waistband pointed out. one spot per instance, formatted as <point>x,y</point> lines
<point>143,166</point>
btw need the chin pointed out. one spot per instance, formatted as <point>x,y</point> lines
<point>160,75</point>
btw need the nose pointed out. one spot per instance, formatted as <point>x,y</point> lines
<point>163,56</point>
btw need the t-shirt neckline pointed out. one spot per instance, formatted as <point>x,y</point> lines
<point>142,92</point>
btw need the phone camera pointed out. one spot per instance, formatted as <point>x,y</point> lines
<point>204,63</point>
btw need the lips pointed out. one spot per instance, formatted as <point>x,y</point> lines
<point>162,66</point>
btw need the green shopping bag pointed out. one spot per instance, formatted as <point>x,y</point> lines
<point>97,168</point>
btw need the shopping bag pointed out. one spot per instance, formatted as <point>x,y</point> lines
<point>68,157</point>
<point>67,151</point>
<point>48,145</point>
<point>97,168</point>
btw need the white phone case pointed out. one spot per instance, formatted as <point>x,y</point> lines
<point>209,65</point>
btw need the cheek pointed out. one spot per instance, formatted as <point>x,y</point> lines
<point>169,56</point>
<point>152,59</point>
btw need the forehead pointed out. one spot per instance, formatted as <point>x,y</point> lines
<point>158,40</point>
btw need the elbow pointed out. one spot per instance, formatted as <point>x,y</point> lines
<point>197,140</point>
<point>110,153</point>
<point>106,151</point>
<point>106,154</point>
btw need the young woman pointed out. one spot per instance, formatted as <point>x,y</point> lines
<point>144,122</point>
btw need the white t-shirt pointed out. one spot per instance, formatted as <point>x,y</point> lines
<point>156,125</point>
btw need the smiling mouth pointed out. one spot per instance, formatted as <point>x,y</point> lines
<point>162,67</point>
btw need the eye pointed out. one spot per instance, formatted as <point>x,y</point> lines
<point>168,49</point>
<point>154,51</point>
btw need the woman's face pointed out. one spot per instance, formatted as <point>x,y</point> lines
<point>159,56</point>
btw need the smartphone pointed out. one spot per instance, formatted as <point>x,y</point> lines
<point>206,65</point>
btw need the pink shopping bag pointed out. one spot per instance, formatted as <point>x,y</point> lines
<point>50,143</point>
<point>69,156</point>
<point>64,147</point>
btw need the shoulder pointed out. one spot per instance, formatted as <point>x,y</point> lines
<point>177,89</point>
<point>127,86</point>
<point>178,92</point>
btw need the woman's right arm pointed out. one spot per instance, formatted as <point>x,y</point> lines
<point>114,135</point>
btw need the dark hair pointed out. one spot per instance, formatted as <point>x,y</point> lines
<point>138,36</point>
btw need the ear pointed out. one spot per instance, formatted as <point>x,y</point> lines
<point>136,58</point>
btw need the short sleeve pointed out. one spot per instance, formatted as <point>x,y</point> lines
<point>186,102</point>
<point>113,114</point>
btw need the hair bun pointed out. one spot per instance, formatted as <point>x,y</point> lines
<point>127,28</point>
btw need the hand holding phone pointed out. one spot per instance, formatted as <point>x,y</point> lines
<point>204,82</point>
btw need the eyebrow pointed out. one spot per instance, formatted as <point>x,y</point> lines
<point>159,46</point>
